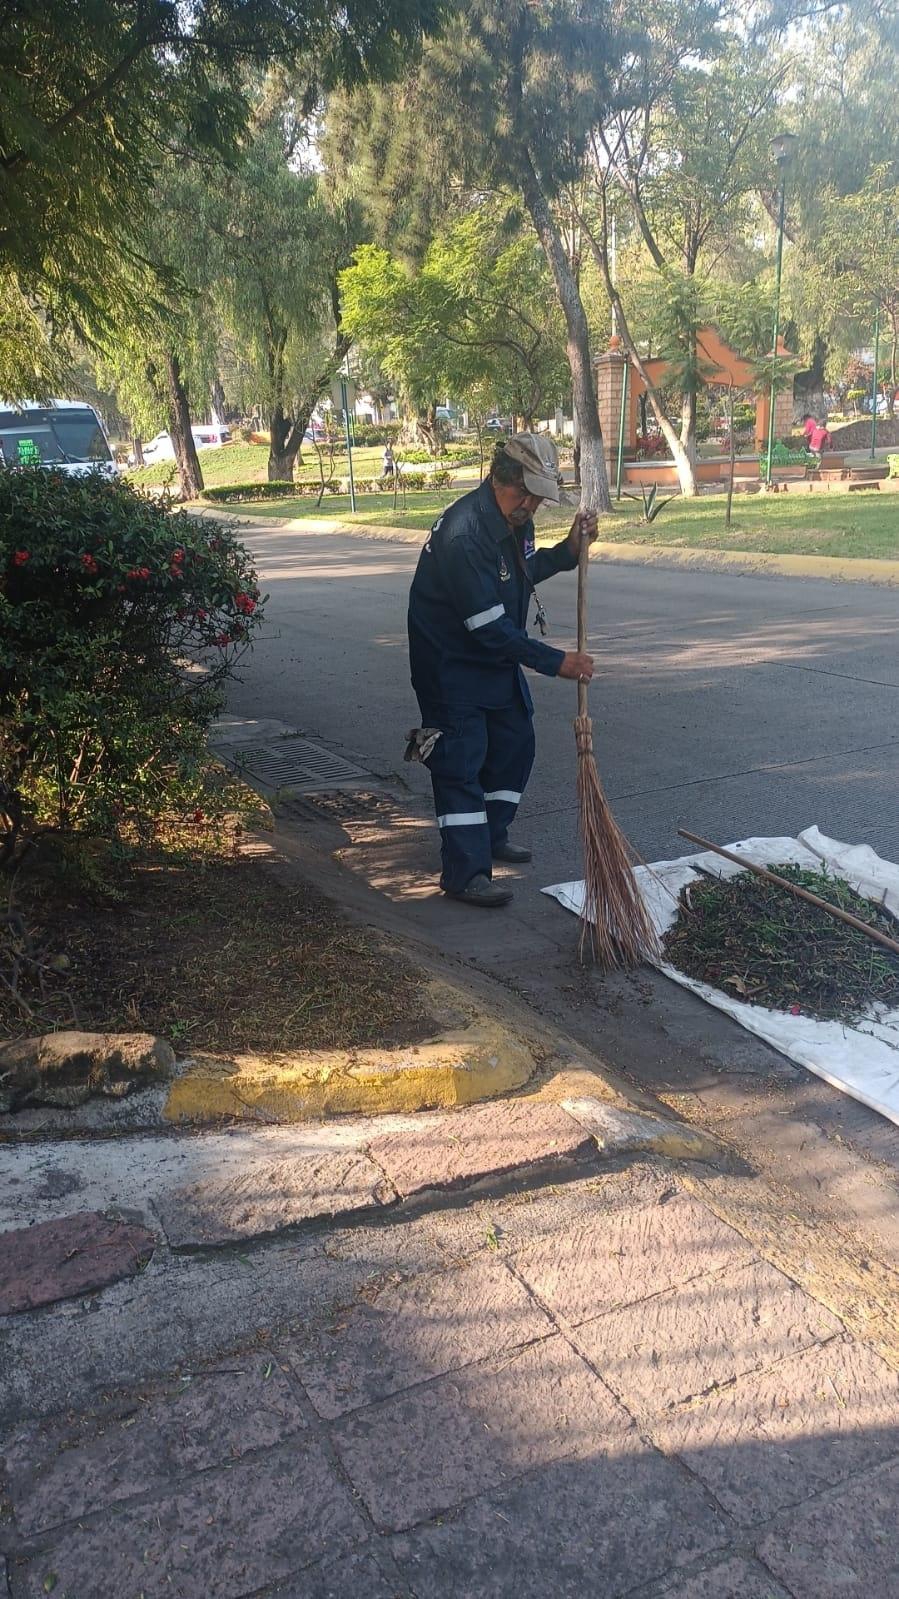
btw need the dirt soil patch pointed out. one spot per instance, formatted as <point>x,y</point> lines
<point>198,941</point>
<point>760,944</point>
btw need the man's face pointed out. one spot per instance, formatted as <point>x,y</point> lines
<point>525,509</point>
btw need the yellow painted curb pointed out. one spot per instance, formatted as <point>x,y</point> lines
<point>475,1061</point>
<point>842,569</point>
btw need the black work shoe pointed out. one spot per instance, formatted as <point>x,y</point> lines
<point>480,891</point>
<point>513,853</point>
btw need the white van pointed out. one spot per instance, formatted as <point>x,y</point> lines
<point>207,436</point>
<point>66,435</point>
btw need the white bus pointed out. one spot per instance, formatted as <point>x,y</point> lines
<point>66,435</point>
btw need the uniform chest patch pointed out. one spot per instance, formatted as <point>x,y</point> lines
<point>529,548</point>
<point>504,573</point>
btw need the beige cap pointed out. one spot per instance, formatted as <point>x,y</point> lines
<point>536,453</point>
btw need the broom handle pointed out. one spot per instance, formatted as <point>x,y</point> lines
<point>794,888</point>
<point>583,558</point>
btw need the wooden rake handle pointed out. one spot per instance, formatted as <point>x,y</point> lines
<point>582,564</point>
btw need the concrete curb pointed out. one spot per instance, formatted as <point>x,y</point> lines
<point>834,569</point>
<point>476,1057</point>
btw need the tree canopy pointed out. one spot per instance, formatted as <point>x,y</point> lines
<point>93,96</point>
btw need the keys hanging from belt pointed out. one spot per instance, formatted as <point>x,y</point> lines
<point>539,613</point>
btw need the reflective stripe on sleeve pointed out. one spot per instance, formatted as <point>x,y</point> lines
<point>507,794</point>
<point>462,819</point>
<point>483,617</point>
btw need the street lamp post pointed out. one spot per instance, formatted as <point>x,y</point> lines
<point>345,404</point>
<point>782,147</point>
<point>874,380</point>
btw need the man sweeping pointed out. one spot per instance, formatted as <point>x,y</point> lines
<point>468,642</point>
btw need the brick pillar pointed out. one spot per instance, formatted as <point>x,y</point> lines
<point>783,413</point>
<point>610,370</point>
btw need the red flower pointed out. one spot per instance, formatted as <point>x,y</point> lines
<point>201,615</point>
<point>222,639</point>
<point>177,557</point>
<point>21,557</point>
<point>143,571</point>
<point>176,571</point>
<point>245,604</point>
<point>89,564</point>
<point>795,1010</point>
<point>198,816</point>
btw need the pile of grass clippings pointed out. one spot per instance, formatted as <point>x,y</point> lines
<point>760,944</point>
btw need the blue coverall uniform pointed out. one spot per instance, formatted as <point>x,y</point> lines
<point>467,645</point>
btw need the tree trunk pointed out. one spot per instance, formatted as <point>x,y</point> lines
<point>685,473</point>
<point>286,432</point>
<point>593,476</point>
<point>218,399</point>
<point>190,477</point>
<point>426,430</point>
<point>280,463</point>
<point>137,450</point>
<point>688,434</point>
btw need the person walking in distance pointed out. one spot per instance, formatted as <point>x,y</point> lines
<point>468,643</point>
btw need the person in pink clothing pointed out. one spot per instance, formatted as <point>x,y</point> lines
<point>808,427</point>
<point>819,440</point>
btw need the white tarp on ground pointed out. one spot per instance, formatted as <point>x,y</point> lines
<point>862,1060</point>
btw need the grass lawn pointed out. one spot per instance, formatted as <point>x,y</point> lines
<point>836,524</point>
<point>248,463</point>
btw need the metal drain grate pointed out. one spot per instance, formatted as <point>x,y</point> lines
<point>294,763</point>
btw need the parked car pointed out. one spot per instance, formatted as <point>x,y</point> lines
<point>207,436</point>
<point>66,435</point>
<point>496,424</point>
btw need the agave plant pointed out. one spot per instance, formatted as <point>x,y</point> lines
<point>652,505</point>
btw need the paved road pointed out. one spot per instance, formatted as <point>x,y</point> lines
<point>736,704</point>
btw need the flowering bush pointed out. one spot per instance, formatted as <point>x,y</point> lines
<point>650,446</point>
<point>119,624</point>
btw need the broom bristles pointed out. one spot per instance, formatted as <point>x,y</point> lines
<point>615,920</point>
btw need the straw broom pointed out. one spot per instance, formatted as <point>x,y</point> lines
<point>614,919</point>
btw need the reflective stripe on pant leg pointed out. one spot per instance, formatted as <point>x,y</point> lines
<point>510,756</point>
<point>454,765</point>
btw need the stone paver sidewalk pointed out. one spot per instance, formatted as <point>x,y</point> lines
<point>603,1391</point>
